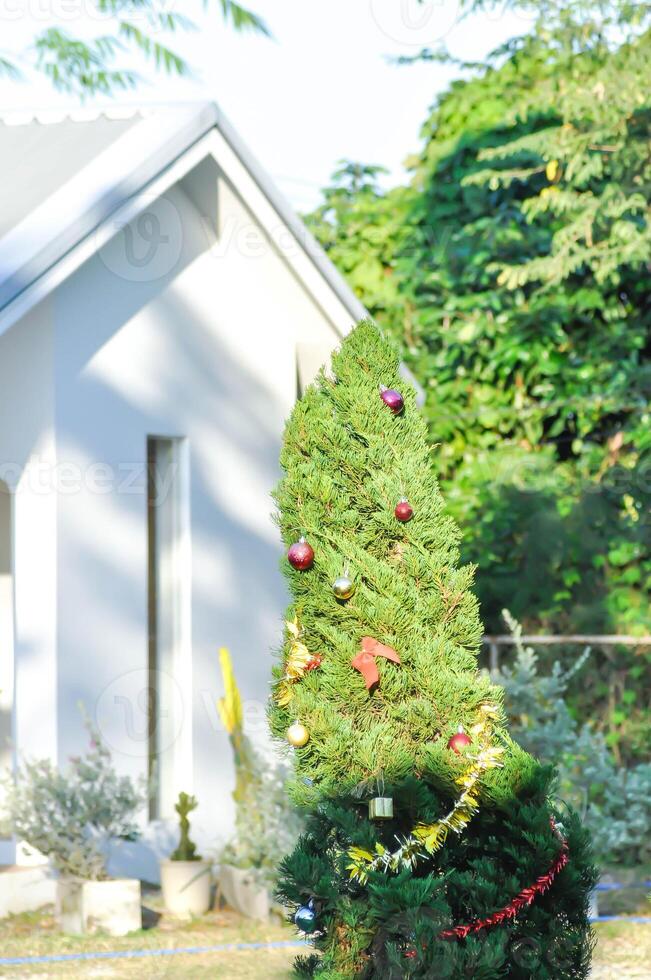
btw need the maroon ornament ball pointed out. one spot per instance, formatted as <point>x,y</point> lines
<point>459,741</point>
<point>404,511</point>
<point>301,555</point>
<point>393,399</point>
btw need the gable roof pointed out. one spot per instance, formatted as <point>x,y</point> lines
<point>39,154</point>
<point>65,181</point>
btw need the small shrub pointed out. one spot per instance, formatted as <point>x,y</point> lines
<point>70,816</point>
<point>187,849</point>
<point>615,802</point>
<point>266,825</point>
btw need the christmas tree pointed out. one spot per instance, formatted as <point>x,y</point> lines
<point>434,847</point>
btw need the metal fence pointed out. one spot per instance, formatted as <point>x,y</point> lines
<point>606,642</point>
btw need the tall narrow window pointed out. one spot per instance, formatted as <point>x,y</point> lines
<point>310,358</point>
<point>168,615</point>
<point>6,630</point>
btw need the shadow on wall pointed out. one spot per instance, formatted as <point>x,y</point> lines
<point>137,361</point>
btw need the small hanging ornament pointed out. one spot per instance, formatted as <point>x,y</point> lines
<point>459,741</point>
<point>380,808</point>
<point>301,555</point>
<point>298,735</point>
<point>305,918</point>
<point>314,662</point>
<point>404,511</point>
<point>343,587</point>
<point>393,399</point>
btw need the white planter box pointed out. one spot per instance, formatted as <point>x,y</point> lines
<point>87,907</point>
<point>25,889</point>
<point>243,893</point>
<point>186,886</point>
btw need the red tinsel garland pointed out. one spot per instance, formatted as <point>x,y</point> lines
<point>523,900</point>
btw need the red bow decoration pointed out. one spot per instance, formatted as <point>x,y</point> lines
<point>364,662</point>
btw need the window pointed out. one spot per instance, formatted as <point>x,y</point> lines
<point>6,629</point>
<point>310,358</point>
<point>169,659</point>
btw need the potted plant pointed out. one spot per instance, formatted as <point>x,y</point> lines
<point>265,825</point>
<point>70,817</point>
<point>185,876</point>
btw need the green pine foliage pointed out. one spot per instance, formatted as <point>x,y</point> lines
<point>347,460</point>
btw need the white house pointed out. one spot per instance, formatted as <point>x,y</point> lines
<point>160,307</point>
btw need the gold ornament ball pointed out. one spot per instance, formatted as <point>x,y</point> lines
<point>298,735</point>
<point>343,587</point>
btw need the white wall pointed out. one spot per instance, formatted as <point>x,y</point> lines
<point>197,340</point>
<point>6,628</point>
<point>28,467</point>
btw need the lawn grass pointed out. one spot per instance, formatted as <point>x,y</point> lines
<point>623,949</point>
<point>35,934</point>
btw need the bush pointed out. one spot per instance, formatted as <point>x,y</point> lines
<point>615,802</point>
<point>71,816</point>
<point>187,849</point>
<point>266,825</point>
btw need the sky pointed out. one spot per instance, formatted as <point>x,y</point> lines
<point>323,89</point>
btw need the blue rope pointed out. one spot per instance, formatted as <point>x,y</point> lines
<point>613,886</point>
<point>134,954</point>
<point>614,918</point>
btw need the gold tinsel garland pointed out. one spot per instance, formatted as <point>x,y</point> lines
<point>431,837</point>
<point>299,659</point>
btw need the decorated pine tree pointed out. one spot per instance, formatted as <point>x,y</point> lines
<point>434,845</point>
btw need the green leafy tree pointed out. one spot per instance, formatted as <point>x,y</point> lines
<point>378,689</point>
<point>134,27</point>
<point>515,275</point>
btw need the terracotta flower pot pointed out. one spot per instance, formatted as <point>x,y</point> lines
<point>186,886</point>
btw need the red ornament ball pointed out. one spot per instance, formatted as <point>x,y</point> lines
<point>301,555</point>
<point>315,661</point>
<point>404,511</point>
<point>459,741</point>
<point>393,399</point>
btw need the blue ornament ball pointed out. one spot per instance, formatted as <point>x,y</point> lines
<point>305,918</point>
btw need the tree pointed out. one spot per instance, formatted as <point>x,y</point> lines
<point>515,276</point>
<point>90,67</point>
<point>378,690</point>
